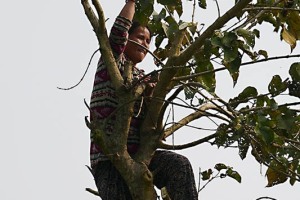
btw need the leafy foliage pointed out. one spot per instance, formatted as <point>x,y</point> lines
<point>222,172</point>
<point>259,123</point>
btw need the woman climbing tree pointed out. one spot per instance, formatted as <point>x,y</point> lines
<point>169,169</point>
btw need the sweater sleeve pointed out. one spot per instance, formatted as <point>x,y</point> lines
<point>118,35</point>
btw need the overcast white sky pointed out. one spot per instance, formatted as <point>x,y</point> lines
<point>44,143</point>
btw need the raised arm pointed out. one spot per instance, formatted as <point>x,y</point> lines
<point>128,10</point>
<point>119,32</point>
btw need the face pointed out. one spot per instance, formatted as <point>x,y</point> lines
<point>133,51</point>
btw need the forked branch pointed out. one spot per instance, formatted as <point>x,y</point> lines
<point>102,36</point>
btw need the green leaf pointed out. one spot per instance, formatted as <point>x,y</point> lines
<point>289,38</point>
<point>272,103</point>
<point>261,101</point>
<point>221,138</point>
<point>249,92</point>
<point>189,94</point>
<point>276,86</point>
<point>169,2</point>
<point>172,5</point>
<point>234,67</point>
<point>293,19</point>
<point>207,80</point>
<point>144,9</point>
<point>234,174</point>
<point>230,54</point>
<point>158,40</point>
<point>206,174</point>
<point>294,88</point>
<point>248,35</point>
<point>243,97</point>
<point>243,145</point>
<point>200,101</point>
<point>171,28</point>
<point>160,16</point>
<point>259,151</point>
<point>268,17</point>
<point>216,41</point>
<point>220,166</point>
<point>266,132</point>
<point>282,123</point>
<point>294,85</point>
<point>295,71</point>
<point>202,4</point>
<point>263,53</point>
<point>256,33</point>
<point>229,39</point>
<point>275,174</point>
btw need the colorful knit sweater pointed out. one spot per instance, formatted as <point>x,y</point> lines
<point>104,100</point>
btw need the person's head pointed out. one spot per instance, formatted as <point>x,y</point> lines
<point>141,35</point>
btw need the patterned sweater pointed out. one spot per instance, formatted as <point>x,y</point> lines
<point>104,100</point>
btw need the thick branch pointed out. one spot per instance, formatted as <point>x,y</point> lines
<point>90,14</point>
<point>150,132</point>
<point>101,33</point>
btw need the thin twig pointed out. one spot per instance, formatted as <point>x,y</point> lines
<point>195,127</point>
<point>199,182</point>
<point>240,20</point>
<point>194,8</point>
<point>188,145</point>
<point>209,182</point>
<point>96,193</point>
<point>292,141</point>
<point>218,7</point>
<point>83,74</point>
<point>173,135</point>
<point>266,198</point>
<point>224,68</point>
<point>267,107</point>
<point>271,8</point>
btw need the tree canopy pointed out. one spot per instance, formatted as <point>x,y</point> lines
<point>189,54</point>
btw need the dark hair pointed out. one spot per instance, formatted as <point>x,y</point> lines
<point>135,25</point>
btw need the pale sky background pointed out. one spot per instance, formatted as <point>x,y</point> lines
<point>44,143</point>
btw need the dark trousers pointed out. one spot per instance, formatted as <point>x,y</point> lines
<point>170,170</point>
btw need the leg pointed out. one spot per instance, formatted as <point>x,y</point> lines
<point>174,172</point>
<point>109,182</point>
